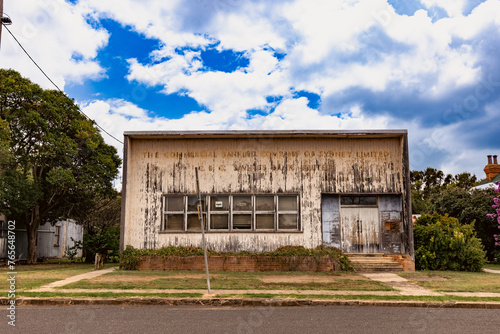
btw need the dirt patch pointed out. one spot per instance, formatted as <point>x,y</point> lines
<point>307,279</point>
<point>426,278</point>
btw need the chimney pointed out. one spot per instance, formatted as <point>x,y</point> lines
<point>492,169</point>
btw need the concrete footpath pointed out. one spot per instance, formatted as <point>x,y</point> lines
<point>402,286</point>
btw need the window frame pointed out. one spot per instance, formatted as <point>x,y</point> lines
<point>234,212</point>
<point>287,212</point>
<point>57,236</point>
<point>359,205</point>
<point>165,212</point>
<point>208,213</point>
<point>265,212</point>
<point>189,213</point>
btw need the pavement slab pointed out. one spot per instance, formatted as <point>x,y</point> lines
<point>492,271</point>
<point>72,279</point>
<point>397,282</point>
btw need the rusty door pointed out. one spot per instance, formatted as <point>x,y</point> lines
<point>360,229</point>
<point>330,220</point>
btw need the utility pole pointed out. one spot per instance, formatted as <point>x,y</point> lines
<point>200,216</point>
<point>5,20</point>
<point>1,25</point>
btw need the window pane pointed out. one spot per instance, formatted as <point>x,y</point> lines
<point>242,222</point>
<point>287,203</point>
<point>219,222</point>
<point>368,200</point>
<point>174,222</point>
<point>242,203</point>
<point>264,222</point>
<point>193,203</point>
<point>264,203</point>
<point>219,203</point>
<point>174,203</point>
<point>193,222</point>
<point>358,200</point>
<point>348,200</point>
<point>287,222</point>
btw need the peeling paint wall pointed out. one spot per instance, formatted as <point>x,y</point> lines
<point>309,167</point>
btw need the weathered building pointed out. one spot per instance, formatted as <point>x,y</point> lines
<point>53,241</point>
<point>492,170</point>
<point>265,189</point>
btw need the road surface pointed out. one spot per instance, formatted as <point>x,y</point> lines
<point>221,320</point>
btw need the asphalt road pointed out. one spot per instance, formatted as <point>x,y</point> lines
<point>221,320</point>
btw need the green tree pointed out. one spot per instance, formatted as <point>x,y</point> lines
<point>4,151</point>
<point>425,185</point>
<point>442,243</point>
<point>100,218</point>
<point>468,207</point>
<point>58,157</point>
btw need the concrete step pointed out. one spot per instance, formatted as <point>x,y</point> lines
<point>378,255</point>
<point>371,259</point>
<point>375,262</point>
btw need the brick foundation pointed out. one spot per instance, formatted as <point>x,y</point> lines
<point>240,263</point>
<point>404,261</point>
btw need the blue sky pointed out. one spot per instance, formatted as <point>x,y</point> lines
<point>428,66</point>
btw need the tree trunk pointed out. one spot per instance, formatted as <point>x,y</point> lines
<point>32,232</point>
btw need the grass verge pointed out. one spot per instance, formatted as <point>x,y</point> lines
<point>229,280</point>
<point>34,276</point>
<point>108,294</point>
<point>455,281</point>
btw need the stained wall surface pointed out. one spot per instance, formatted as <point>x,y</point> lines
<point>308,167</point>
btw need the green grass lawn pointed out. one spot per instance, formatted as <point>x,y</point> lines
<point>456,281</point>
<point>107,294</point>
<point>228,280</point>
<point>34,276</point>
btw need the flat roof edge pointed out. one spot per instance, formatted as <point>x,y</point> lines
<point>265,133</point>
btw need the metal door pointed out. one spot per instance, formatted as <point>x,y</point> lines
<point>330,220</point>
<point>360,230</point>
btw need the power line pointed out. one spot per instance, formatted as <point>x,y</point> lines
<point>34,62</point>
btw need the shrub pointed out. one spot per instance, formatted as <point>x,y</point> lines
<point>442,243</point>
<point>131,257</point>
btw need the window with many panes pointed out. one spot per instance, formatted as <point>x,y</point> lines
<point>259,213</point>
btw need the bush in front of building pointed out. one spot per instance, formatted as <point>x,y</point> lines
<point>442,243</point>
<point>131,257</point>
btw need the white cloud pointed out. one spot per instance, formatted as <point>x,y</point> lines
<point>452,7</point>
<point>331,48</point>
<point>221,92</point>
<point>156,19</point>
<point>58,38</point>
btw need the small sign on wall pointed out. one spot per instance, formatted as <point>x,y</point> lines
<point>218,204</point>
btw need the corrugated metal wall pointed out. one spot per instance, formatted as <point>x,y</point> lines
<point>45,241</point>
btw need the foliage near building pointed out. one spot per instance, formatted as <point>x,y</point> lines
<point>442,243</point>
<point>57,158</point>
<point>495,218</point>
<point>131,256</point>
<point>432,191</point>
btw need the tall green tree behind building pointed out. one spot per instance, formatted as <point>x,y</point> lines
<point>434,192</point>
<point>57,158</point>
